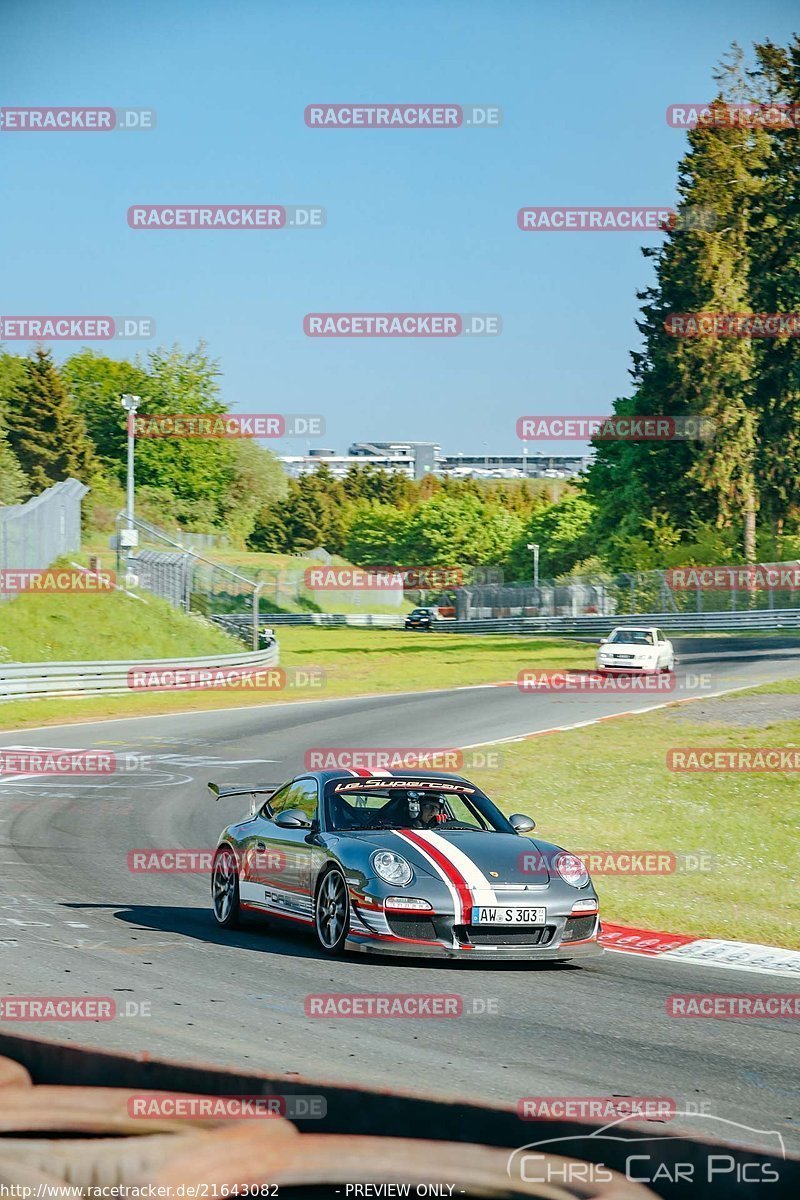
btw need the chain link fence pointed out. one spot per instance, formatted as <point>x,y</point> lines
<point>170,566</point>
<point>35,534</point>
<point>721,589</point>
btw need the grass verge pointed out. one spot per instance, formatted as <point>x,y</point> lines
<point>355,662</point>
<point>607,787</point>
<point>51,627</point>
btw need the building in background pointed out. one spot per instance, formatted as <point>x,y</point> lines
<point>418,459</point>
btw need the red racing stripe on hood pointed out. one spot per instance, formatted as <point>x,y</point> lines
<point>450,871</point>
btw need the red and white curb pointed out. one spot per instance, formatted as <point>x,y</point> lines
<point>675,947</point>
<point>628,712</point>
<point>700,951</point>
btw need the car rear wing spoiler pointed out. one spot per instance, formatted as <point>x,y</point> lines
<point>258,792</point>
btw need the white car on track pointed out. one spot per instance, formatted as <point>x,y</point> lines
<point>634,648</point>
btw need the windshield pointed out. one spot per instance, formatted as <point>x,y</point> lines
<point>420,612</point>
<point>397,804</point>
<point>635,637</point>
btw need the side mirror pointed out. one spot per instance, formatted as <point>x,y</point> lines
<point>521,823</point>
<point>603,641</point>
<point>293,818</point>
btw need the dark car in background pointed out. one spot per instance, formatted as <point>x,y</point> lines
<point>421,618</point>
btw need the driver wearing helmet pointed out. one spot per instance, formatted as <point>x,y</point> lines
<point>425,811</point>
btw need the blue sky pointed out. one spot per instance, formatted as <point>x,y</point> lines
<point>416,221</point>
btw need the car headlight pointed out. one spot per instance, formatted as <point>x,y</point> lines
<point>572,870</point>
<point>392,867</point>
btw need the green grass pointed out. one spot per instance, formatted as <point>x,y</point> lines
<point>781,687</point>
<point>258,565</point>
<point>606,787</point>
<point>388,660</point>
<point>106,625</point>
<point>356,662</point>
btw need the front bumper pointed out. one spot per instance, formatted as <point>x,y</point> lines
<point>565,953</point>
<point>564,936</point>
<point>624,667</point>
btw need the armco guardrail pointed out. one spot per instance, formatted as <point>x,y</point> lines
<point>236,622</point>
<point>22,681</point>
<point>761,619</point>
<point>756,619</point>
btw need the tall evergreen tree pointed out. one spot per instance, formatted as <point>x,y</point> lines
<point>697,270</point>
<point>45,431</point>
<point>13,484</point>
<point>775,288</point>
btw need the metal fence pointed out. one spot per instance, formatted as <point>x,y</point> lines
<point>170,566</point>
<point>166,573</point>
<point>704,622</point>
<point>681,590</point>
<point>38,532</point>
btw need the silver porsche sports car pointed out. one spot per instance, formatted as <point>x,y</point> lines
<point>414,863</point>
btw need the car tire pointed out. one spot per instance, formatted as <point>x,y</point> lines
<point>332,912</point>
<point>225,889</point>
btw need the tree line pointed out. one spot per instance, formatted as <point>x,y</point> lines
<point>736,495</point>
<point>61,421</point>
<point>67,420</point>
<point>641,504</point>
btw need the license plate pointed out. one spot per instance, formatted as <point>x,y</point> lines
<point>509,916</point>
<point>623,656</point>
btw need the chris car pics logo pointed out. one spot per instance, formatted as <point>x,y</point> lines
<point>617,1152</point>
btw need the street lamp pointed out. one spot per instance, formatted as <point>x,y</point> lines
<point>534,546</point>
<point>129,537</point>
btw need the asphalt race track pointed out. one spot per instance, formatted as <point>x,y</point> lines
<point>74,921</point>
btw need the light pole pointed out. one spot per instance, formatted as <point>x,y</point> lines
<point>129,537</point>
<point>534,546</point>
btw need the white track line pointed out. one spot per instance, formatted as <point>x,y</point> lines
<point>629,712</point>
<point>692,954</point>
